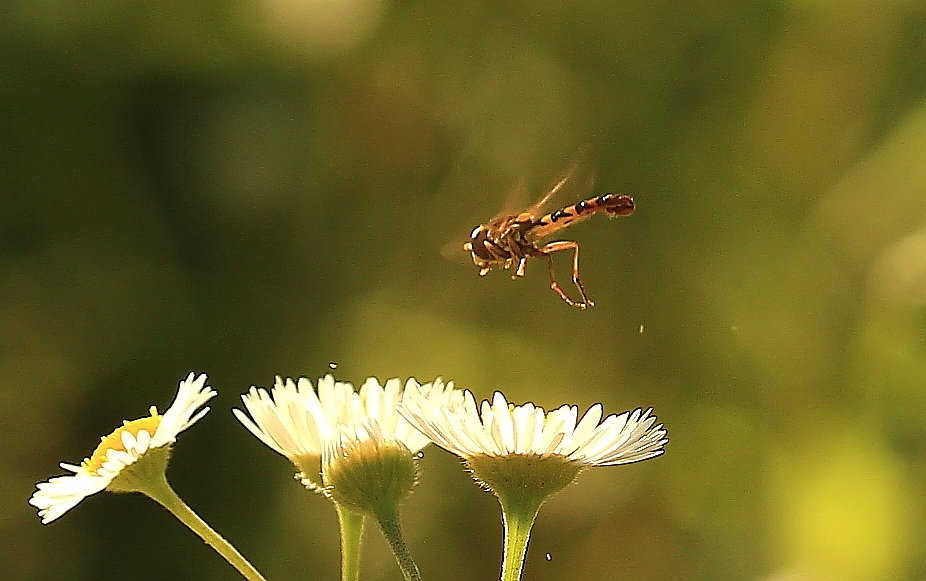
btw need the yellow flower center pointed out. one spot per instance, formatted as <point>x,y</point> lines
<point>114,440</point>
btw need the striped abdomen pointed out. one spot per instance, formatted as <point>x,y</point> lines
<point>612,204</point>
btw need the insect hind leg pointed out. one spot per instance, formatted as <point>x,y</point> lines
<point>549,249</point>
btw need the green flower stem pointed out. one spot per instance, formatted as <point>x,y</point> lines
<point>522,482</point>
<point>389,523</point>
<point>160,491</point>
<point>518,515</point>
<point>351,534</point>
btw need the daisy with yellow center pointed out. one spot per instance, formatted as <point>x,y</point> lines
<point>134,459</point>
<point>351,446</point>
<point>524,455</point>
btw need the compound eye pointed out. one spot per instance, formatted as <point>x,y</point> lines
<point>479,244</point>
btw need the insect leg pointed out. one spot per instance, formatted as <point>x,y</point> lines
<point>576,279</point>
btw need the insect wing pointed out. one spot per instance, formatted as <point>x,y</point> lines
<point>572,185</point>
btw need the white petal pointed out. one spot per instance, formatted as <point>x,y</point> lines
<point>467,428</point>
<point>191,395</point>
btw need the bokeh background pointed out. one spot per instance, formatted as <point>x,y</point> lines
<point>265,187</point>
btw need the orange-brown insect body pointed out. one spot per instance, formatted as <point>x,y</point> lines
<point>512,239</point>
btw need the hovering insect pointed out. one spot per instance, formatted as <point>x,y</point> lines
<point>509,240</point>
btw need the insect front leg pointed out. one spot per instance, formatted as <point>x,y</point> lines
<point>552,247</point>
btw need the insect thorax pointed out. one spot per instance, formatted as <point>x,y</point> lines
<point>500,242</point>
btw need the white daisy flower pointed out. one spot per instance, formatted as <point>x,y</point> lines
<point>293,418</point>
<point>502,429</point>
<point>370,464</point>
<point>109,465</point>
<point>297,421</point>
<point>352,446</point>
<point>379,406</point>
<point>524,455</point>
<point>368,472</point>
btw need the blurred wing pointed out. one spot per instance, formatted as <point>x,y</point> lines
<point>573,185</point>
<point>453,250</point>
<point>514,201</point>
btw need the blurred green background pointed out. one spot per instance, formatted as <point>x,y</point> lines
<point>258,188</point>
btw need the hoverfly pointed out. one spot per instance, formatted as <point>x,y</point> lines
<point>509,240</point>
